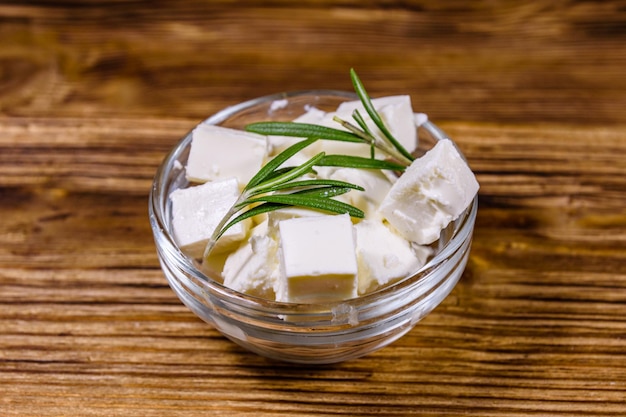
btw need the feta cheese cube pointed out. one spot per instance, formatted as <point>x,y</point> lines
<point>218,152</point>
<point>433,191</point>
<point>383,256</point>
<point>318,259</point>
<point>253,268</point>
<point>196,212</point>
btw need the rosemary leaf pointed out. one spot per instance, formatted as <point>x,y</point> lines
<point>316,182</point>
<point>296,172</point>
<point>365,137</point>
<point>325,192</point>
<point>329,189</point>
<point>356,115</point>
<point>262,208</point>
<point>267,170</point>
<point>302,130</point>
<point>278,172</point>
<point>311,201</point>
<point>359,162</point>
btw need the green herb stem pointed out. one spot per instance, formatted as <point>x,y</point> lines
<point>369,108</point>
<point>375,142</point>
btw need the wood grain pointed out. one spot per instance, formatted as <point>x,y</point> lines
<point>93,94</point>
<point>486,61</point>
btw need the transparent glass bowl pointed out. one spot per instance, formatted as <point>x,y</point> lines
<point>304,333</point>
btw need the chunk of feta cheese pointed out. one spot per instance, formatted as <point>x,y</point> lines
<point>318,259</point>
<point>383,256</point>
<point>219,152</point>
<point>196,212</point>
<point>253,267</point>
<point>433,191</point>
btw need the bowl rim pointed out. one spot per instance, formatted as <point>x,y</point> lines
<point>165,239</point>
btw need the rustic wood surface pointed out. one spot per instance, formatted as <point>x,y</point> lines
<point>94,93</point>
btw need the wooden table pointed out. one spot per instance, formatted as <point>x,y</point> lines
<point>93,94</point>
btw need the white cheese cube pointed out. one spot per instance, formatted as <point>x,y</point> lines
<point>218,152</point>
<point>383,256</point>
<point>433,191</point>
<point>318,259</point>
<point>253,268</point>
<point>196,212</point>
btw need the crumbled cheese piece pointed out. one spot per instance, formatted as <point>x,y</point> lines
<point>318,259</point>
<point>420,119</point>
<point>218,152</point>
<point>253,267</point>
<point>433,191</point>
<point>278,105</point>
<point>196,212</point>
<point>383,256</point>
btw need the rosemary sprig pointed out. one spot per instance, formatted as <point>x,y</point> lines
<point>359,133</point>
<point>275,186</point>
<point>369,108</point>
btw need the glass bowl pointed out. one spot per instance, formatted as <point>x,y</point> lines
<point>304,333</point>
